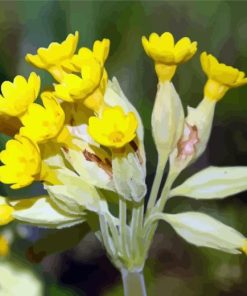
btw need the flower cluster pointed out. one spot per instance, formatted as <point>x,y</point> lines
<point>84,141</point>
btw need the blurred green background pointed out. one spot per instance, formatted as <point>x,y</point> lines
<point>220,28</point>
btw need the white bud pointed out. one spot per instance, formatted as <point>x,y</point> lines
<point>167,118</point>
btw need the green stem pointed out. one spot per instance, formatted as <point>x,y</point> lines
<point>156,183</point>
<point>106,237</point>
<point>114,232</point>
<point>123,228</point>
<point>150,229</point>
<point>137,232</point>
<point>133,283</point>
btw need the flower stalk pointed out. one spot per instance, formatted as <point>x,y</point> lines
<point>133,283</point>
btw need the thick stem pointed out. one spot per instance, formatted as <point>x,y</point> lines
<point>133,283</point>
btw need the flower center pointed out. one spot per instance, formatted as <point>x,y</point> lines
<point>116,136</point>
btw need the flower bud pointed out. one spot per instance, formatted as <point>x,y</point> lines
<point>167,118</point>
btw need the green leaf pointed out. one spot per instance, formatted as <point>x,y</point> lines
<point>77,196</point>
<point>213,182</point>
<point>43,212</point>
<point>204,231</point>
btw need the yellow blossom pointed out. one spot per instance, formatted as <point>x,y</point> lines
<point>42,123</point>
<point>89,83</point>
<point>56,58</point>
<point>6,213</point>
<point>21,162</point>
<point>95,101</point>
<point>19,94</point>
<point>4,246</point>
<point>220,77</point>
<point>100,52</point>
<point>114,128</point>
<point>244,247</point>
<point>74,87</point>
<point>166,54</point>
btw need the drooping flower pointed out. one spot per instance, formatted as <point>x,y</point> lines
<point>88,85</point>
<point>220,77</point>
<point>21,162</point>
<point>42,123</point>
<point>114,129</point>
<point>166,54</point>
<point>56,57</point>
<point>19,94</point>
<point>74,87</point>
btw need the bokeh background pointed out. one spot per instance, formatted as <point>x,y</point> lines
<point>220,27</point>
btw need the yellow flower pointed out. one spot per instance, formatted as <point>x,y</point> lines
<point>56,57</point>
<point>166,54</point>
<point>95,101</point>
<point>90,86</point>
<point>19,94</point>
<point>6,212</point>
<point>100,52</point>
<point>74,88</point>
<point>244,247</point>
<point>21,162</point>
<point>114,128</point>
<point>4,246</point>
<point>42,123</point>
<point>220,77</point>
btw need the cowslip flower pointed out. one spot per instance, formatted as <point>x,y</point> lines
<point>56,58</point>
<point>19,94</point>
<point>166,54</point>
<point>74,87</point>
<point>199,120</point>
<point>95,157</point>
<point>42,123</point>
<point>89,85</point>
<point>114,129</point>
<point>99,52</point>
<point>220,77</point>
<point>21,163</point>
